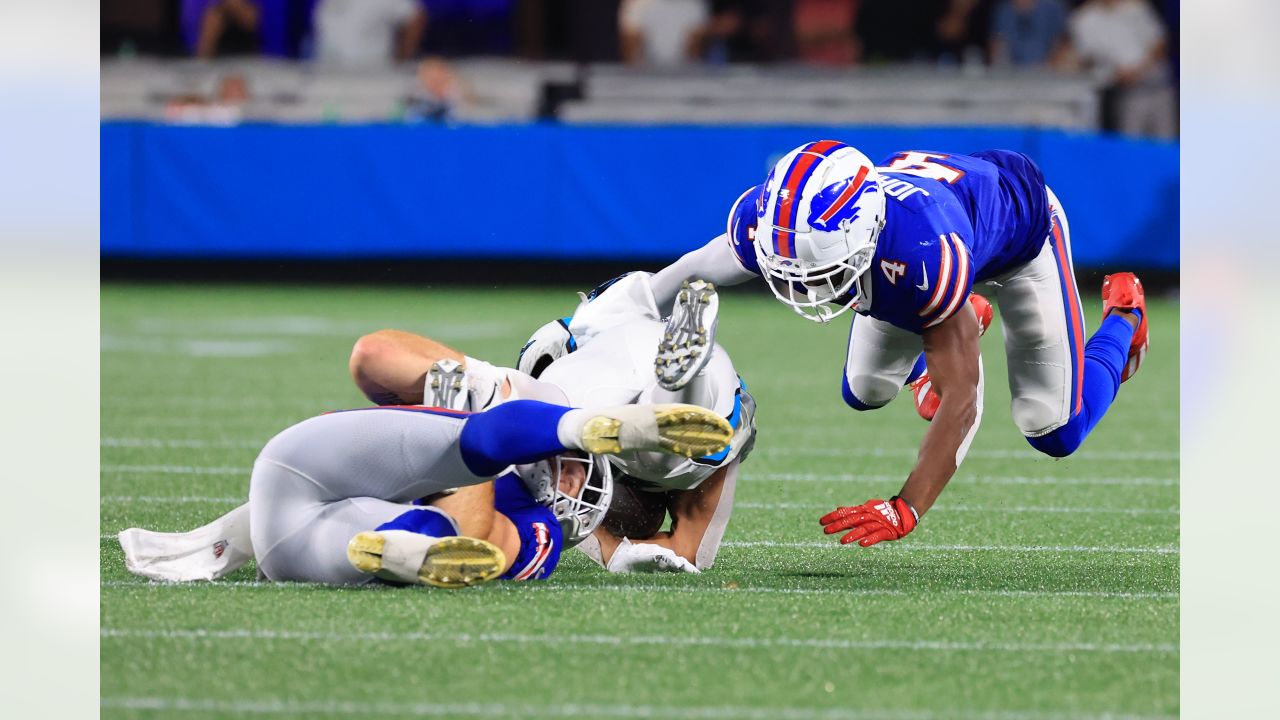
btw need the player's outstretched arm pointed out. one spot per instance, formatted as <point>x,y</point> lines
<point>714,262</point>
<point>952,354</point>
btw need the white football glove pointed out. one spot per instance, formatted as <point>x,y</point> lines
<point>647,557</point>
<point>548,344</point>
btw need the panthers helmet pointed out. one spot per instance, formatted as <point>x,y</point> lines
<point>817,222</point>
<point>578,516</point>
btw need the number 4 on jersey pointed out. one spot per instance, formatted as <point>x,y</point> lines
<point>922,164</point>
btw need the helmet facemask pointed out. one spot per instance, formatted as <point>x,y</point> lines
<point>819,291</point>
<point>579,513</point>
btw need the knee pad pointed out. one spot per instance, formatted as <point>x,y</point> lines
<point>1034,417</point>
<point>868,392</point>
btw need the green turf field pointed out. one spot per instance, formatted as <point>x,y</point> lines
<point>1035,588</point>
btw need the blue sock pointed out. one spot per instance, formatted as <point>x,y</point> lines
<point>916,371</point>
<point>1105,356</point>
<point>520,431</point>
<point>427,521</point>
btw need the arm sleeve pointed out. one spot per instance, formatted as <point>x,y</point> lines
<point>714,262</point>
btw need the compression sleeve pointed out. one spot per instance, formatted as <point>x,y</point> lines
<point>714,262</point>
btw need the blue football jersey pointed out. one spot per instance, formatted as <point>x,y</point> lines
<point>950,221</point>
<point>541,540</point>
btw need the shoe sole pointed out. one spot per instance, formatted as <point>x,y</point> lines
<point>685,430</point>
<point>446,386</point>
<point>686,341</point>
<point>453,562</point>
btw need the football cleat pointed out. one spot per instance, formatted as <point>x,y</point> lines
<point>686,430</point>
<point>446,385</point>
<point>689,333</point>
<point>408,557</point>
<point>1123,291</point>
<point>922,394</point>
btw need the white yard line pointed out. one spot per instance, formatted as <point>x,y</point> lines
<point>916,547</point>
<point>133,442</point>
<point>177,469</point>
<point>200,634</point>
<point>1036,509</point>
<point>173,500</point>
<point>925,593</point>
<point>828,451</point>
<point>379,708</point>
<point>1023,509</point>
<point>962,479</point>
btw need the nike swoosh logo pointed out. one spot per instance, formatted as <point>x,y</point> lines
<point>925,270</point>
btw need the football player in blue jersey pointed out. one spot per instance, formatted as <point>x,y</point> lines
<point>903,245</point>
<point>347,497</point>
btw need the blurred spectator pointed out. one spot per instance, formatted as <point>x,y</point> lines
<point>1123,42</point>
<point>961,33</point>
<point>226,107</point>
<point>213,28</point>
<point>439,93</point>
<point>662,32</point>
<point>1028,32</point>
<point>367,33</point>
<point>824,31</point>
<point>469,27</point>
<point>753,31</point>
<point>896,31</point>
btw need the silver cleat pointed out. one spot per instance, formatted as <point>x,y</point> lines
<point>688,336</point>
<point>446,386</point>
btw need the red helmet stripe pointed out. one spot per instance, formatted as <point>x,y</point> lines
<point>846,195</point>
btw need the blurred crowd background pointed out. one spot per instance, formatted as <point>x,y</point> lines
<point>1080,64</point>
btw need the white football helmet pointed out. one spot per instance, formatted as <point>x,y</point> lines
<point>579,516</point>
<point>817,222</point>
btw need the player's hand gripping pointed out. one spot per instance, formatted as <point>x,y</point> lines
<point>871,522</point>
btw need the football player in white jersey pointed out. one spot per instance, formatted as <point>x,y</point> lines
<point>602,356</point>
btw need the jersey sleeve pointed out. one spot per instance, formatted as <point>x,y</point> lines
<point>541,540</point>
<point>951,282</point>
<point>740,229</point>
<point>923,269</point>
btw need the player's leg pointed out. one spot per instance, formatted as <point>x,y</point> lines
<point>880,360</point>
<point>390,366</point>
<point>1061,385</point>
<point>322,482</point>
<point>393,367</point>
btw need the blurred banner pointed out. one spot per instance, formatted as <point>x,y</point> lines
<point>550,191</point>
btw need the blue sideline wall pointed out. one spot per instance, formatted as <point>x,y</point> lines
<point>549,191</point>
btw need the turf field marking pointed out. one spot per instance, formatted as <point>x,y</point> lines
<point>177,469</point>
<point>793,450</point>
<point>916,547</point>
<point>1050,509</point>
<point>196,347</point>
<point>372,708</point>
<point>695,589</point>
<point>307,325</point>
<point>123,442</point>
<point>961,479</point>
<point>202,499</point>
<point>199,634</point>
<point>177,500</point>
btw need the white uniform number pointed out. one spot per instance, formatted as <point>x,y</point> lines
<point>923,164</point>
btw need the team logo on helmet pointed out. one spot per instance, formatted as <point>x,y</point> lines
<point>838,202</point>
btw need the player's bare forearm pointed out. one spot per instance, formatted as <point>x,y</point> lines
<point>951,352</point>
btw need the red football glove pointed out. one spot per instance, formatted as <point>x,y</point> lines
<point>872,521</point>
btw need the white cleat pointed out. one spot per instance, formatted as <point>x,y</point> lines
<point>686,430</point>
<point>408,557</point>
<point>687,338</point>
<point>446,386</point>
